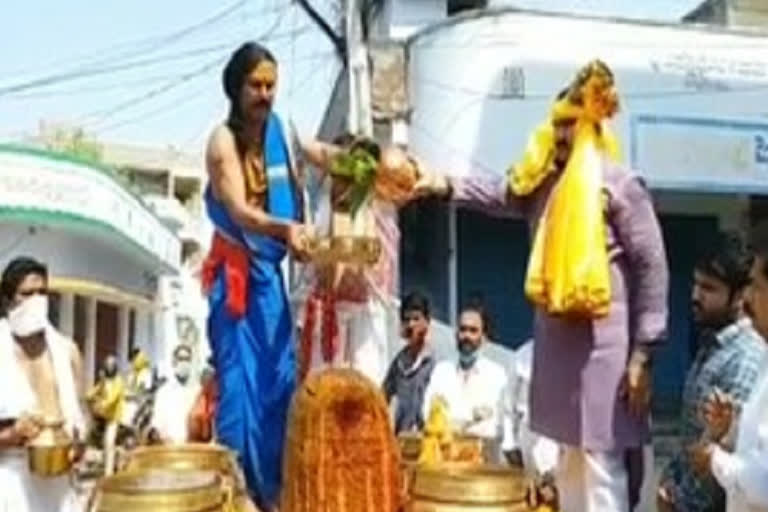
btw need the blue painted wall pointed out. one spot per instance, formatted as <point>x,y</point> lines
<point>492,259</point>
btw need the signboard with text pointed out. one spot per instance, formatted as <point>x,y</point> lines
<point>35,182</point>
<point>700,154</point>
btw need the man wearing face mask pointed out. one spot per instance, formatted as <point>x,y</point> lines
<point>472,385</point>
<point>175,399</point>
<point>40,376</point>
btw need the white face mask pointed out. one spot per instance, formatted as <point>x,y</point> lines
<point>183,369</point>
<point>29,317</point>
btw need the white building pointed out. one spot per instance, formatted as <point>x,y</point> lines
<point>104,248</point>
<point>694,121</point>
<point>171,183</point>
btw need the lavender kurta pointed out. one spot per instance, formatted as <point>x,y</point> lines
<point>578,365</point>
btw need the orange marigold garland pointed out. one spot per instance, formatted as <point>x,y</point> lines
<point>341,454</point>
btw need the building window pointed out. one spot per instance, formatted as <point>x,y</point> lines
<point>424,254</point>
<point>106,330</point>
<point>492,260</point>
<point>81,322</point>
<point>54,309</point>
<point>132,331</point>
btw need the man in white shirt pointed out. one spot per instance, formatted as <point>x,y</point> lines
<point>174,400</point>
<point>539,454</point>
<point>473,386</point>
<point>743,470</point>
<point>40,382</point>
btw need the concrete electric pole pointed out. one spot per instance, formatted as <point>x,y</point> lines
<point>360,120</point>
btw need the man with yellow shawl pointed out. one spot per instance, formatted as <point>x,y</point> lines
<point>598,279</point>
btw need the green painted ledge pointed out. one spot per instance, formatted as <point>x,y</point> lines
<point>57,156</point>
<point>85,226</point>
<point>79,223</point>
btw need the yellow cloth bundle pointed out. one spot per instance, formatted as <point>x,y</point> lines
<point>568,270</point>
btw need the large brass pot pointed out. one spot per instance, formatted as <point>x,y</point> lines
<point>478,489</point>
<point>160,491</point>
<point>50,452</point>
<point>191,456</point>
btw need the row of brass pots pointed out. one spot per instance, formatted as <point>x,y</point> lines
<point>206,478</point>
<point>174,478</point>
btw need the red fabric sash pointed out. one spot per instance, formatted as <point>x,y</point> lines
<point>234,258</point>
<point>329,330</point>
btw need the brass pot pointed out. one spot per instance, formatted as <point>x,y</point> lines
<point>453,489</point>
<point>361,250</point>
<point>410,446</point>
<point>160,491</point>
<point>50,453</point>
<point>190,456</point>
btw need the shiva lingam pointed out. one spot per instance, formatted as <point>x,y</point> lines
<point>362,172</point>
<point>50,452</point>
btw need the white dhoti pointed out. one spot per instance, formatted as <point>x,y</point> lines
<point>21,491</point>
<point>592,481</point>
<point>598,481</point>
<point>540,454</point>
<point>363,336</point>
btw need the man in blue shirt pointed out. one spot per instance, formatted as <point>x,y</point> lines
<point>410,371</point>
<point>728,360</point>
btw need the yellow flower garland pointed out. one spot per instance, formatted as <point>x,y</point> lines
<point>568,270</point>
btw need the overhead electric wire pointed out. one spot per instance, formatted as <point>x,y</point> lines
<point>106,113</point>
<point>144,116</point>
<point>128,49</point>
<point>178,102</point>
<point>80,74</point>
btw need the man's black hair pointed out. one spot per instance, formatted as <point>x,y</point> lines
<point>758,242</point>
<point>246,58</point>
<point>728,259</point>
<point>476,304</point>
<point>415,301</point>
<point>15,272</point>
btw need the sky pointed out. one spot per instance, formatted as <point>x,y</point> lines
<point>148,72</point>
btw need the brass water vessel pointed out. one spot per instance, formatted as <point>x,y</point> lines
<point>50,453</point>
<point>358,250</point>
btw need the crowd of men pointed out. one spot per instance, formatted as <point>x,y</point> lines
<point>721,462</point>
<point>575,407</point>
